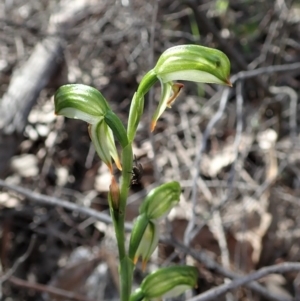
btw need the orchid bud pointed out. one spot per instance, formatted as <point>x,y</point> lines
<point>144,239</point>
<point>166,283</point>
<point>161,200</point>
<point>114,194</point>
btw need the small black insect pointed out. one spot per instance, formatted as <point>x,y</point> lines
<point>137,173</point>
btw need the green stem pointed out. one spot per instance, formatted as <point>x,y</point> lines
<point>118,213</point>
<point>127,158</point>
<point>119,221</point>
<point>118,216</point>
<point>137,104</point>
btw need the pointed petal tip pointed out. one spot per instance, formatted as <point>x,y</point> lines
<point>135,260</point>
<point>144,265</point>
<point>176,91</point>
<point>153,125</point>
<point>228,83</point>
<point>118,164</point>
<point>114,193</point>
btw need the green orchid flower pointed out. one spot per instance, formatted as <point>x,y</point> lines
<point>191,63</point>
<point>147,244</point>
<point>80,102</point>
<point>104,143</point>
<point>166,283</point>
<point>88,104</point>
<point>185,62</point>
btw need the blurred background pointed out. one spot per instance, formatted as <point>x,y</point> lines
<point>236,155</point>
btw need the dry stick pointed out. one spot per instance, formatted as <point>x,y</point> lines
<point>53,201</point>
<point>236,144</point>
<point>291,93</point>
<point>265,70</point>
<point>189,229</point>
<point>47,289</point>
<point>20,260</point>
<point>220,290</point>
<point>218,229</point>
<point>210,264</point>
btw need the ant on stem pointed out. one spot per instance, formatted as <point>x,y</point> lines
<point>137,173</point>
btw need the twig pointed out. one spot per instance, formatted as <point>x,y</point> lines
<point>218,291</point>
<point>20,260</point>
<point>293,107</point>
<point>218,229</point>
<point>53,201</point>
<point>66,295</point>
<point>211,124</point>
<point>17,263</point>
<point>265,70</point>
<point>210,264</point>
<point>236,144</point>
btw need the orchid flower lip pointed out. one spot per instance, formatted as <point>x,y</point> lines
<point>176,291</point>
<point>148,243</point>
<point>76,114</point>
<point>104,143</point>
<point>192,75</point>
